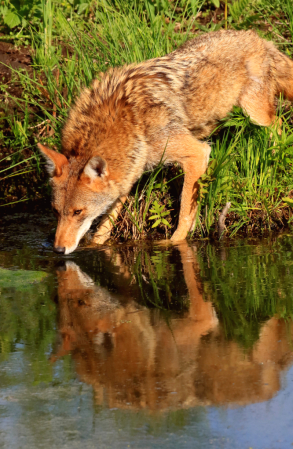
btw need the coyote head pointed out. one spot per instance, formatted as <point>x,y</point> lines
<point>81,191</point>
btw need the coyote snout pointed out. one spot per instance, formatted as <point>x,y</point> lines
<point>134,114</point>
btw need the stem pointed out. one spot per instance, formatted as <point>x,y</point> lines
<point>222,218</point>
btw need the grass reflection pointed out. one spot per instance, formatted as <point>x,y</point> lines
<point>171,330</point>
<point>249,284</point>
<point>247,287</point>
<point>27,318</point>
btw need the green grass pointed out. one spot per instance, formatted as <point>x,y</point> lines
<point>73,41</point>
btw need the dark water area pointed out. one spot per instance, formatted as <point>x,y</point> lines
<point>144,345</point>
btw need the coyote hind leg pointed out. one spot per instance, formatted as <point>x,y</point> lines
<point>261,110</point>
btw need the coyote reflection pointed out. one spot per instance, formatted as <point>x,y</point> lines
<point>135,359</point>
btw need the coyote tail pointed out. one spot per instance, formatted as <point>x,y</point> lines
<point>283,68</point>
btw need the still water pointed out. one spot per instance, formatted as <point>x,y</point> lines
<point>143,346</point>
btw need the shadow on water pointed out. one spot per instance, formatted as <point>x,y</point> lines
<point>168,332</point>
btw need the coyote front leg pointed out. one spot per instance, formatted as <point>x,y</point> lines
<point>104,230</point>
<point>194,160</point>
<point>201,312</point>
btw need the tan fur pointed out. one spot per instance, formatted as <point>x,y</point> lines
<point>134,358</point>
<point>123,123</point>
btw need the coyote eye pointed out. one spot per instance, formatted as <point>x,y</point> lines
<point>77,212</point>
<point>55,212</point>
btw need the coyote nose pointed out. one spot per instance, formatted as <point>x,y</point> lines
<point>59,249</point>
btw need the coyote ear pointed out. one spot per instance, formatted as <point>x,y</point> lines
<point>96,168</point>
<point>55,161</point>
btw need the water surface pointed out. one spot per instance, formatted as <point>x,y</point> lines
<point>142,345</point>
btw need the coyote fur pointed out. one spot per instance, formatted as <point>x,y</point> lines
<point>127,119</point>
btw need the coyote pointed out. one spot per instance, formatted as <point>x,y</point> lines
<point>134,114</point>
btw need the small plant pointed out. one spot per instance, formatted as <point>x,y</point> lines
<point>207,178</point>
<point>15,13</point>
<point>159,214</point>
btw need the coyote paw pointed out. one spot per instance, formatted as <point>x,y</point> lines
<point>178,237</point>
<point>100,239</point>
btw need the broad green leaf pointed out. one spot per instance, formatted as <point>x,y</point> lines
<point>288,200</point>
<point>289,140</point>
<point>153,217</point>
<point>3,10</point>
<point>156,223</point>
<point>216,3</point>
<point>82,7</point>
<point>11,19</point>
<point>165,222</point>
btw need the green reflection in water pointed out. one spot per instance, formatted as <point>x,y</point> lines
<point>246,284</point>
<point>27,318</point>
<point>157,424</point>
<point>249,284</point>
<point>20,280</point>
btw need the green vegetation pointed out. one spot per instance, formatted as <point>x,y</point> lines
<point>248,284</point>
<point>20,279</point>
<point>27,317</point>
<point>67,44</point>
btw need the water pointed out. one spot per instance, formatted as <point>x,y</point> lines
<point>142,346</point>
